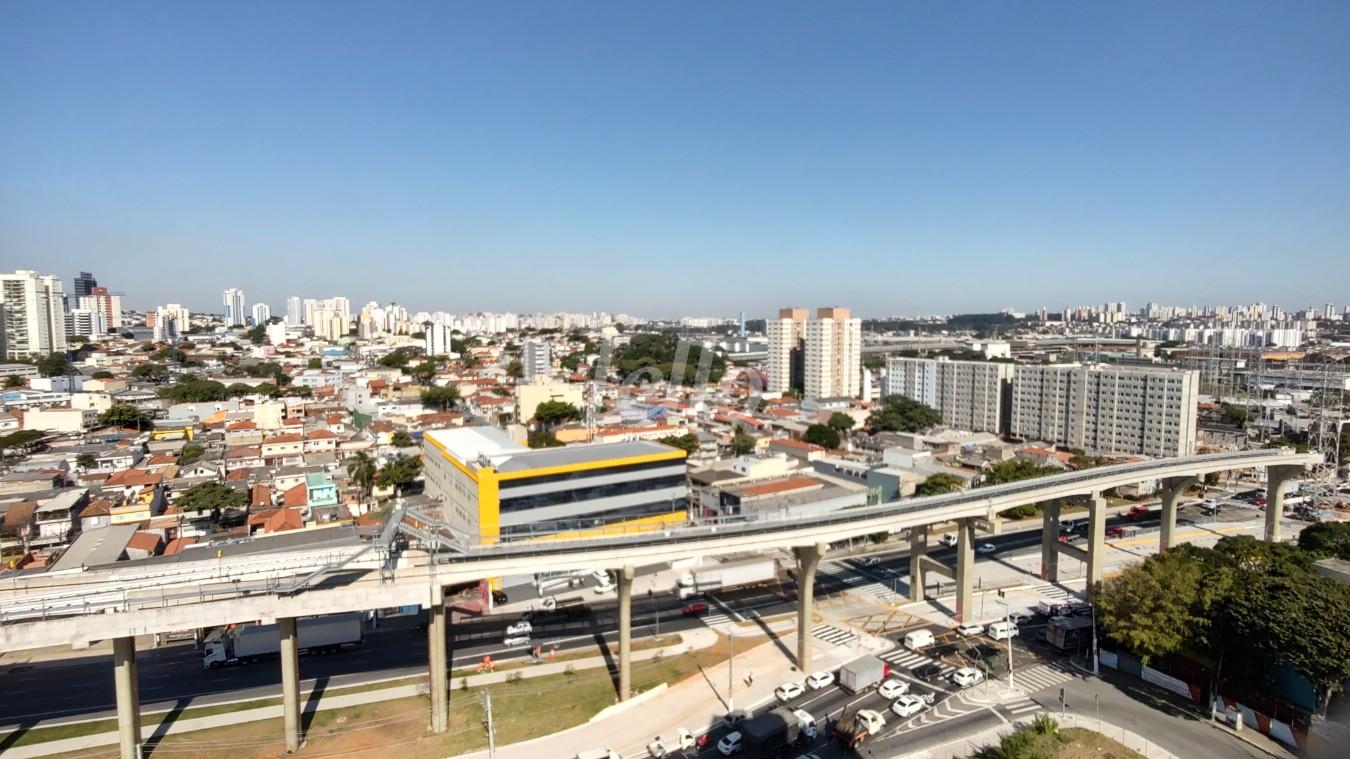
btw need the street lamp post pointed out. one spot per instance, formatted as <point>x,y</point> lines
<point>1007,620</point>
<point>1096,660</point>
<point>731,680</point>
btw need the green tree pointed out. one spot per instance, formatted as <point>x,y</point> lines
<point>314,363</point>
<point>1014,470</point>
<point>841,422</point>
<point>239,389</point>
<point>86,461</point>
<point>400,473</point>
<point>687,442</point>
<point>900,414</point>
<point>443,398</point>
<point>124,415</point>
<point>192,390</point>
<point>553,413</point>
<point>572,361</point>
<point>190,454</point>
<point>19,439</point>
<point>399,358</point>
<point>102,374</point>
<point>13,380</point>
<point>424,371</point>
<point>363,472</point>
<point>822,435</point>
<point>256,334</point>
<point>211,496</point>
<point>939,483</point>
<point>1330,539</point>
<point>543,439</point>
<point>400,439</point>
<point>1233,414</point>
<point>54,365</point>
<point>150,373</point>
<point>515,369</point>
<point>658,352</point>
<point>1152,607</point>
<point>743,443</point>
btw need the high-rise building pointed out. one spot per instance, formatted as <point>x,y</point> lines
<point>261,313</point>
<point>437,338</point>
<point>295,315</point>
<point>1110,410</point>
<point>34,314</point>
<point>84,322</point>
<point>329,325</point>
<point>110,305</point>
<point>968,394</point>
<point>833,362</point>
<point>535,359</point>
<point>787,349</point>
<point>234,308</point>
<point>84,284</point>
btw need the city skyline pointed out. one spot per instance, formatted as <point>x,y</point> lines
<point>562,159</point>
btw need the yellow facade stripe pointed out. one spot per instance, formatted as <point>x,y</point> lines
<point>585,466</point>
<point>489,508</point>
<point>446,455</point>
<point>643,524</point>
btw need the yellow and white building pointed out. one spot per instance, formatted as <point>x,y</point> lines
<point>493,488</point>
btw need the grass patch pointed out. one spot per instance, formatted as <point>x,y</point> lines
<point>586,653</point>
<point>1084,743</point>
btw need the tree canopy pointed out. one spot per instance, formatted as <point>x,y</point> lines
<point>443,398</point>
<point>193,390</point>
<point>54,364</point>
<point>939,483</point>
<point>1331,539</point>
<point>743,443</point>
<point>551,413</point>
<point>658,352</point>
<point>687,442</point>
<point>841,422</point>
<point>822,435</point>
<point>400,439</point>
<point>901,414</point>
<point>150,373</point>
<point>211,496</point>
<point>400,473</point>
<point>124,415</point>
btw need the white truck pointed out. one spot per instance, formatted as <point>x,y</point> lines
<point>250,643</point>
<point>714,577</point>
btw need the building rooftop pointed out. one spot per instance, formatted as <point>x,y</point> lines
<point>103,545</point>
<point>469,444</point>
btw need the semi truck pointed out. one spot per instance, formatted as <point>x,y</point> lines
<point>715,577</point>
<point>779,728</point>
<point>249,643</point>
<point>863,674</point>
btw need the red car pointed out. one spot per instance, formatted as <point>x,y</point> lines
<point>694,609</point>
<point>1115,532</point>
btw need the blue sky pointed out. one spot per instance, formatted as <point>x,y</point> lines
<point>681,158</point>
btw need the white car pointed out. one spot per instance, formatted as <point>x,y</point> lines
<point>970,630</point>
<point>516,640</point>
<point>604,588</point>
<point>601,576</point>
<point>987,548</point>
<point>871,720</point>
<point>1019,617</point>
<point>789,691</point>
<point>519,628</point>
<point>948,540</point>
<point>731,743</point>
<point>908,705</point>
<point>871,562</point>
<point>967,676</point>
<point>820,680</point>
<point>893,688</point>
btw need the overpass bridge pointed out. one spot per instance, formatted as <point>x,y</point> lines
<point>121,601</point>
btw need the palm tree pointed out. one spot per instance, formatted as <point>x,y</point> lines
<point>363,470</point>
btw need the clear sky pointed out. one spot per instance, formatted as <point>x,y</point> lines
<point>681,157</point>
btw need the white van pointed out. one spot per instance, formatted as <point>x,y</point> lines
<point>917,639</point>
<point>599,753</point>
<point>1002,630</point>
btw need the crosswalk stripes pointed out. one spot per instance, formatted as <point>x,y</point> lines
<point>1022,707</point>
<point>834,635</point>
<point>1040,677</point>
<point>715,618</point>
<point>911,660</point>
<point>1055,592</point>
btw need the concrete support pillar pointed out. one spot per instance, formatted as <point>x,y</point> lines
<point>1096,540</point>
<point>1049,541</point>
<point>1277,482</point>
<point>965,568</point>
<point>290,681</point>
<point>625,633</point>
<point>808,558</point>
<point>128,697</point>
<point>1172,488</point>
<point>918,549</point>
<point>437,663</point>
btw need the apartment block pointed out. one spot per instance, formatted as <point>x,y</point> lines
<point>32,314</point>
<point>970,395</point>
<point>535,360</point>
<point>1107,410</point>
<point>833,363</point>
<point>787,349</point>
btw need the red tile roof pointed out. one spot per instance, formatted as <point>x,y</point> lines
<point>296,496</point>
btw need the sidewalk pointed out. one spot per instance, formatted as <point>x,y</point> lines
<point>689,640</point>
<point>971,744</point>
<point>694,703</point>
